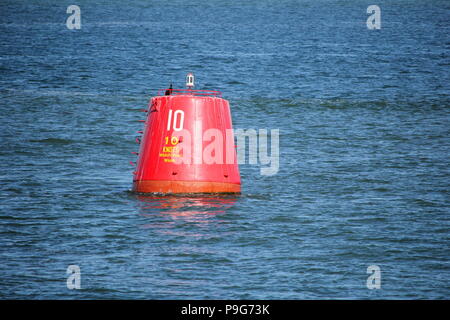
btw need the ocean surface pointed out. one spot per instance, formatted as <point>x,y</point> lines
<point>364,174</point>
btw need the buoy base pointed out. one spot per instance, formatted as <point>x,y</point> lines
<point>158,186</point>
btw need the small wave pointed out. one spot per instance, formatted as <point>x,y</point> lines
<point>57,141</point>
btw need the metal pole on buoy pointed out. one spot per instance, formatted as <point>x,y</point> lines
<point>187,144</point>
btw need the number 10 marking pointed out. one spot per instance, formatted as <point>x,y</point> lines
<point>177,114</point>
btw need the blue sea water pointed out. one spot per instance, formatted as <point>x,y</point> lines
<point>364,150</point>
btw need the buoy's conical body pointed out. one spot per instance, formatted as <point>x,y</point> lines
<point>187,147</point>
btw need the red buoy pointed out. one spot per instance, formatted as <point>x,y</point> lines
<point>187,145</point>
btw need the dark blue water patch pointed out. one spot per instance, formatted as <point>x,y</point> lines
<point>53,141</point>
